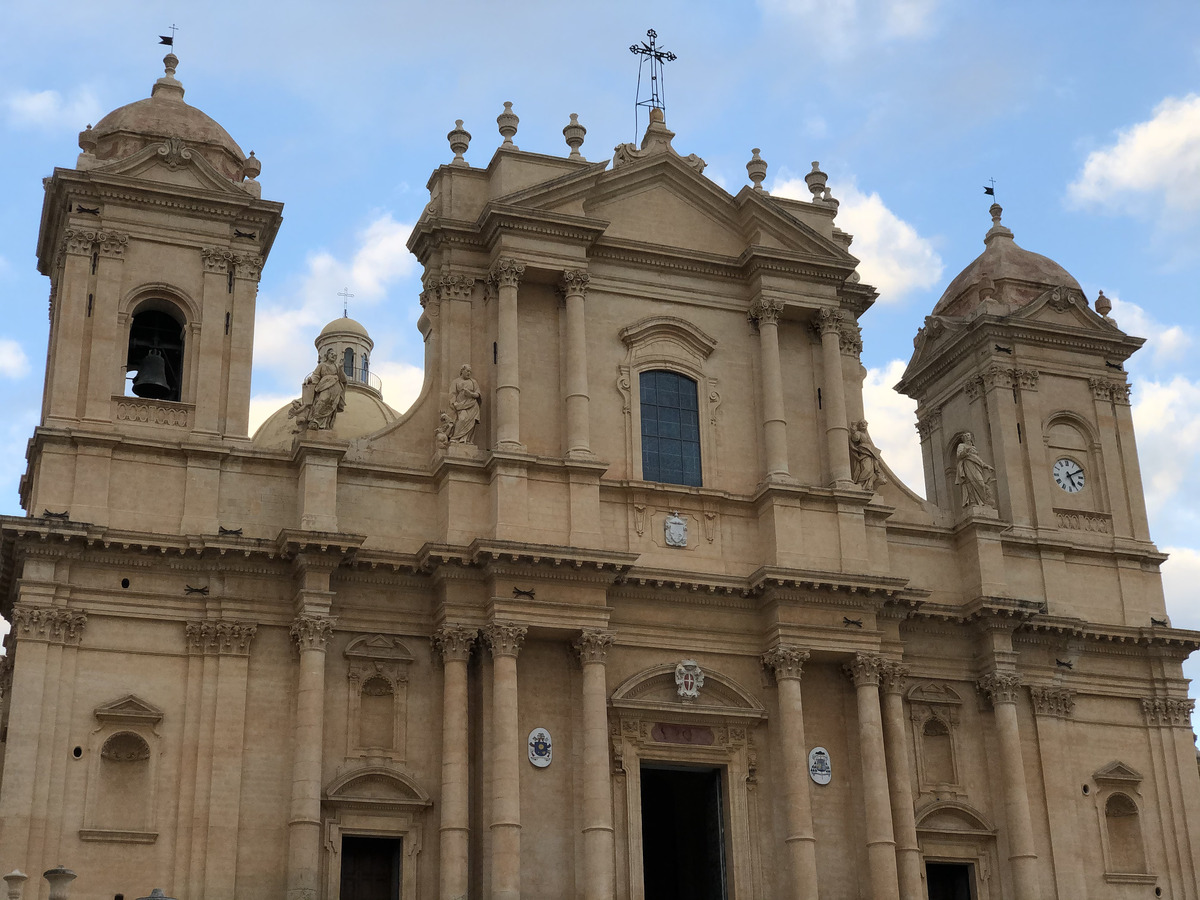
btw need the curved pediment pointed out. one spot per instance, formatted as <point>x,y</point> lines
<point>950,817</point>
<point>656,689</point>
<point>377,787</point>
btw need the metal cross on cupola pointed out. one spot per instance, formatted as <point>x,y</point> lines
<point>657,57</point>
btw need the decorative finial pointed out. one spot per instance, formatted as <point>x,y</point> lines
<point>346,296</point>
<point>657,57</point>
<point>459,140</point>
<point>757,169</point>
<point>170,63</point>
<point>816,181</point>
<point>996,209</point>
<point>573,133</point>
<point>252,167</point>
<point>507,122</point>
<point>1103,305</point>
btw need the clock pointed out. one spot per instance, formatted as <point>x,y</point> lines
<point>1068,475</point>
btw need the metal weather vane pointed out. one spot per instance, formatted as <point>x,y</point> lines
<point>169,41</point>
<point>657,57</point>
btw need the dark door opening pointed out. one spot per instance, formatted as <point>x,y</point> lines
<point>683,834</point>
<point>950,881</point>
<point>370,868</point>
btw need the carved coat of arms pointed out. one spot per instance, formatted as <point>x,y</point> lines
<point>675,530</point>
<point>541,748</point>
<point>689,679</point>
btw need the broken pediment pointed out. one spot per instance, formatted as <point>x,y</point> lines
<point>376,787</point>
<point>1117,773</point>
<point>129,710</point>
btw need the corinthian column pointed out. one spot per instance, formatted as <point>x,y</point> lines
<point>908,852</point>
<point>311,634</point>
<point>800,842</point>
<point>881,843</point>
<point>575,285</point>
<point>599,875</point>
<point>837,427</point>
<point>454,643</point>
<point>1001,689</point>
<point>505,641</point>
<point>766,314</point>
<point>506,275</point>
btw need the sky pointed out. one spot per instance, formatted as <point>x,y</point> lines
<point>1086,115</point>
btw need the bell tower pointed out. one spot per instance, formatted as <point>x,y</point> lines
<point>153,243</point>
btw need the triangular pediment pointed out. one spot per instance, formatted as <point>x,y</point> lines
<point>1066,307</point>
<point>379,646</point>
<point>129,708</point>
<point>1117,772</point>
<point>174,164</point>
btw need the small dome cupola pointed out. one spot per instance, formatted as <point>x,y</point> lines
<point>349,339</point>
<point>1002,279</point>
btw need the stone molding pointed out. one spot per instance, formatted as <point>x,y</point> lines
<point>864,669</point>
<point>786,661</point>
<point>1168,712</point>
<point>1049,701</point>
<point>575,282</point>
<point>220,637</point>
<point>765,312</point>
<point>504,638</point>
<point>506,272</point>
<point>312,632</point>
<point>44,623</point>
<point>454,642</point>
<point>593,645</point>
<point>154,412</point>
<point>1000,687</point>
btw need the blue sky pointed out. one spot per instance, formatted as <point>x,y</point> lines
<point>1086,114</point>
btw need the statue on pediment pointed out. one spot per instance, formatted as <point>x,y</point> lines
<point>323,396</point>
<point>866,463</point>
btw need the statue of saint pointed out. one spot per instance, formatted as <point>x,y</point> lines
<point>464,405</point>
<point>972,474</point>
<point>324,396</point>
<point>866,465</point>
<point>441,434</point>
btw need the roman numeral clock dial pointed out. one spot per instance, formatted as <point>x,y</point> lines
<point>1068,475</point>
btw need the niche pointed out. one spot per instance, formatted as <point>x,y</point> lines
<point>934,714</point>
<point>377,708</point>
<point>120,799</point>
<point>1117,804</point>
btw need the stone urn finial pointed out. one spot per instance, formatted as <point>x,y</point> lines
<point>170,63</point>
<point>507,123</point>
<point>60,878</point>
<point>16,883</point>
<point>574,133</point>
<point>816,182</point>
<point>757,170</point>
<point>252,167</point>
<point>460,140</point>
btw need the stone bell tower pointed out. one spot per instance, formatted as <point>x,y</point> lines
<point>154,244</point>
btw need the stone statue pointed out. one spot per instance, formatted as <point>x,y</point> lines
<point>441,435</point>
<point>972,473</point>
<point>866,465</point>
<point>464,407</point>
<point>324,396</point>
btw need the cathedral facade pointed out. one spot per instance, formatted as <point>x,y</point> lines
<point>626,606</point>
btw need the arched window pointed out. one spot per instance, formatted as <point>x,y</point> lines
<point>348,363</point>
<point>670,428</point>
<point>1125,849</point>
<point>377,714</point>
<point>123,801</point>
<point>155,352</point>
<point>366,368</point>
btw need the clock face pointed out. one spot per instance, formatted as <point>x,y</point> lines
<point>1068,475</point>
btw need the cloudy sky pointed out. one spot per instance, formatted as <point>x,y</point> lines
<point>1088,118</point>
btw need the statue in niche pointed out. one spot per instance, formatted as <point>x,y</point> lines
<point>972,474</point>
<point>323,396</point>
<point>866,464</point>
<point>464,407</point>
<point>441,435</point>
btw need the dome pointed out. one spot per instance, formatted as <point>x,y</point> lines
<point>163,115</point>
<point>344,325</point>
<point>1005,276</point>
<point>364,414</point>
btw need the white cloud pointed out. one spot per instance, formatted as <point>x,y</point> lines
<point>50,110</point>
<point>286,326</point>
<point>895,258</point>
<point>263,405</point>
<point>1166,418</point>
<point>1166,343</point>
<point>846,25</point>
<point>401,383</point>
<point>13,361</point>
<point>1152,165</point>
<point>893,419</point>
<point>1181,575</point>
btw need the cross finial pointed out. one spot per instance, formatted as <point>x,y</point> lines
<point>346,296</point>
<point>657,57</point>
<point>169,41</point>
<point>990,188</point>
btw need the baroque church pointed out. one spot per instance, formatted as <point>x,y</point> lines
<point>626,606</point>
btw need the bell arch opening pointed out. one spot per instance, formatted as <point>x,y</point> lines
<point>155,351</point>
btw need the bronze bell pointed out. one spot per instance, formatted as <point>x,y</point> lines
<point>151,380</point>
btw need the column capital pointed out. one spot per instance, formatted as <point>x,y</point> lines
<point>47,624</point>
<point>765,312</point>
<point>504,638</point>
<point>1000,687</point>
<point>1050,701</point>
<point>893,676</point>
<point>454,642</point>
<point>786,661</point>
<point>220,637</point>
<point>1162,711</point>
<point>506,272</point>
<point>929,423</point>
<point>864,669</point>
<point>592,646</point>
<point>312,632</point>
<point>575,282</point>
<point>829,320</point>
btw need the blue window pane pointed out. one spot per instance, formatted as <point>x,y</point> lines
<point>670,428</point>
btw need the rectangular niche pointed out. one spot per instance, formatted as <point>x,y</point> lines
<point>377,707</point>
